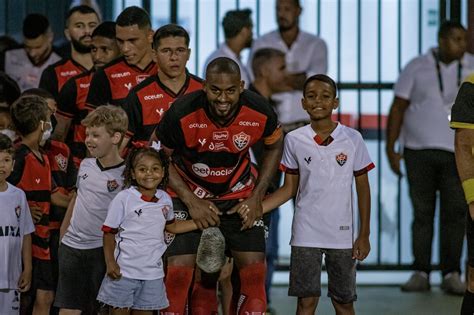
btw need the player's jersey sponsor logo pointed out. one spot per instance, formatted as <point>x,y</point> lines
<point>68,73</point>
<point>203,170</point>
<point>197,125</point>
<point>61,161</point>
<point>220,135</point>
<point>120,75</point>
<point>112,185</point>
<point>202,141</point>
<point>218,146</point>
<point>249,123</point>
<point>341,159</point>
<point>241,140</point>
<point>153,97</point>
<point>84,85</point>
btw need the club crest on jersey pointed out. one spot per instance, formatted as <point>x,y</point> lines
<point>165,210</point>
<point>18,212</point>
<point>112,185</point>
<point>341,159</point>
<point>62,162</point>
<point>241,140</point>
<point>139,78</point>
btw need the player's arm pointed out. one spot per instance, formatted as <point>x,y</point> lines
<point>463,147</point>
<point>67,216</point>
<point>179,226</point>
<point>24,282</point>
<point>113,269</point>
<point>394,125</point>
<point>361,247</point>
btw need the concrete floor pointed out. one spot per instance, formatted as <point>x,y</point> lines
<point>377,300</point>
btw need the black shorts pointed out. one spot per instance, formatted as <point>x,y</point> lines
<point>81,272</point>
<point>42,278</point>
<point>250,240</point>
<point>470,240</point>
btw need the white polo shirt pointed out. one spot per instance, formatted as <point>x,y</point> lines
<point>225,51</point>
<point>20,68</point>
<point>324,209</point>
<point>140,238</point>
<point>426,121</point>
<point>307,54</point>
<point>96,187</point>
<point>15,223</point>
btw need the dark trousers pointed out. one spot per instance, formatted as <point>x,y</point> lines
<point>429,171</point>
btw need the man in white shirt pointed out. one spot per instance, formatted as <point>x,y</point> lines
<point>306,55</point>
<point>419,120</point>
<point>26,64</point>
<point>238,34</point>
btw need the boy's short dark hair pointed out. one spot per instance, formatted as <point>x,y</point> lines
<point>262,56</point>
<point>105,29</point>
<point>170,30</point>
<point>112,118</point>
<point>323,78</point>
<point>27,112</point>
<point>6,144</point>
<point>82,9</point>
<point>9,89</point>
<point>134,15</point>
<point>38,92</point>
<point>35,25</point>
<point>234,21</point>
<point>447,26</point>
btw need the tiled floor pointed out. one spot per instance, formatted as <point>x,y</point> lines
<point>378,300</point>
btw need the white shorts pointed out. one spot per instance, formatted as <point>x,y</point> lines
<point>9,302</point>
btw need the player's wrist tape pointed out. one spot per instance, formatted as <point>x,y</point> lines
<point>468,186</point>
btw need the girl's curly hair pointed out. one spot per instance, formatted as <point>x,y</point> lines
<point>138,153</point>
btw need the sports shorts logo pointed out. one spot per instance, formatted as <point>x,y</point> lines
<point>341,159</point>
<point>62,162</point>
<point>112,185</point>
<point>241,140</point>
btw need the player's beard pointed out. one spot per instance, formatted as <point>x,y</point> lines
<point>80,47</point>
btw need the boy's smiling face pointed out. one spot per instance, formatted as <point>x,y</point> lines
<point>99,142</point>
<point>319,100</point>
<point>6,166</point>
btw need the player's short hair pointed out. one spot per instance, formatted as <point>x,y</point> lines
<point>234,21</point>
<point>323,78</point>
<point>112,118</point>
<point>82,9</point>
<point>105,29</point>
<point>27,112</point>
<point>134,15</point>
<point>132,160</point>
<point>9,89</point>
<point>6,145</point>
<point>170,30</point>
<point>223,65</point>
<point>447,26</point>
<point>35,25</point>
<point>262,56</point>
<point>38,92</point>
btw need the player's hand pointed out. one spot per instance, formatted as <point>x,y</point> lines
<point>394,160</point>
<point>113,271</point>
<point>36,213</point>
<point>471,210</point>
<point>204,213</point>
<point>361,248</point>
<point>24,283</point>
<point>254,206</point>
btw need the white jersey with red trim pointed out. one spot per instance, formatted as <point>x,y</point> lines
<point>16,222</point>
<point>140,224</point>
<point>324,205</point>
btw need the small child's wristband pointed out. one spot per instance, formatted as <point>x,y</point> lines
<point>468,186</point>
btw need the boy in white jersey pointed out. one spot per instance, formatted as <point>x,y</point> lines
<point>15,239</point>
<point>81,257</point>
<point>320,161</point>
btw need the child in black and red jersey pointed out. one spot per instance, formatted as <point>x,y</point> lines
<point>32,174</point>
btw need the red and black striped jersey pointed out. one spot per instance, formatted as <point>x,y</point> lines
<point>112,83</point>
<point>148,101</point>
<point>64,174</point>
<point>56,75</point>
<point>72,105</point>
<point>33,176</point>
<point>214,160</point>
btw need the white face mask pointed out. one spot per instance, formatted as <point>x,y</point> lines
<point>46,134</point>
<point>9,133</point>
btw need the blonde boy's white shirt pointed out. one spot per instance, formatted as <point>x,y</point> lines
<point>323,216</point>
